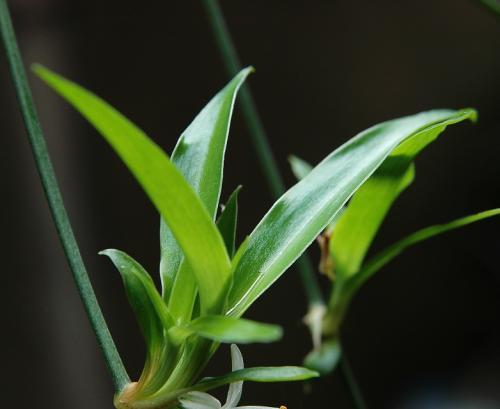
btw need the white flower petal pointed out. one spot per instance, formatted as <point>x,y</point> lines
<point>236,358</point>
<point>199,400</point>
<point>236,388</point>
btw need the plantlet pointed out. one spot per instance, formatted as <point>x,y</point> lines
<point>205,290</point>
<point>347,239</point>
<point>207,281</point>
<point>184,324</point>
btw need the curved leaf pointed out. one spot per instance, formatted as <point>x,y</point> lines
<point>358,225</point>
<point>387,255</point>
<point>227,329</point>
<point>174,198</point>
<point>303,211</point>
<point>257,374</point>
<point>147,305</point>
<point>134,274</point>
<point>183,297</point>
<point>199,155</point>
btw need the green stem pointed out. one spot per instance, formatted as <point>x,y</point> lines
<point>268,164</point>
<point>492,5</point>
<point>50,186</point>
<point>350,380</point>
<point>258,135</point>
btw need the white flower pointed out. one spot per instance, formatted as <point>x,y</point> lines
<point>203,400</point>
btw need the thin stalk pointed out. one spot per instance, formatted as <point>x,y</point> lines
<point>274,179</point>
<point>492,5</point>
<point>258,135</point>
<point>56,205</point>
<point>350,380</point>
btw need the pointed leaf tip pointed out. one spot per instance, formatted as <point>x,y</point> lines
<point>165,185</point>
<point>199,155</point>
<point>296,219</point>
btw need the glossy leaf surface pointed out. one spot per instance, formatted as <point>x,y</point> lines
<point>145,301</point>
<point>256,374</point>
<point>130,269</point>
<point>303,211</point>
<point>174,198</point>
<point>228,329</point>
<point>358,225</point>
<point>199,155</point>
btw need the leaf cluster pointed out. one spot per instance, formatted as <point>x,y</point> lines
<point>208,280</point>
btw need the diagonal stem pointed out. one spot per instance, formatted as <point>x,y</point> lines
<point>274,180</point>
<point>352,385</point>
<point>53,195</point>
<point>258,135</point>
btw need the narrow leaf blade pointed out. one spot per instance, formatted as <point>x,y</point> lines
<point>229,330</point>
<point>174,198</point>
<point>303,211</point>
<point>359,224</point>
<point>141,295</point>
<point>199,155</point>
<point>256,374</point>
<point>387,255</point>
<point>259,374</point>
<point>128,267</point>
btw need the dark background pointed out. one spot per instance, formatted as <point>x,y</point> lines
<point>425,330</point>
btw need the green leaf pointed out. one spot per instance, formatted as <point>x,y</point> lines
<point>146,302</point>
<point>256,374</point>
<point>302,212</point>
<point>131,270</point>
<point>183,297</point>
<point>174,198</point>
<point>387,255</point>
<point>227,221</point>
<point>325,358</point>
<point>199,155</point>
<point>359,224</point>
<point>153,318</point>
<point>227,329</point>
<point>170,260</point>
<point>300,167</point>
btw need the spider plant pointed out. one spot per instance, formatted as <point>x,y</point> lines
<point>195,311</point>
<point>207,281</point>
<point>347,239</point>
<point>206,286</point>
